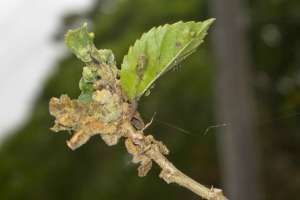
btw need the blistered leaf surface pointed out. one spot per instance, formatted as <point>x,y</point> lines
<point>158,51</point>
<point>80,42</point>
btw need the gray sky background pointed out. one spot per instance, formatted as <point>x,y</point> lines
<point>27,53</point>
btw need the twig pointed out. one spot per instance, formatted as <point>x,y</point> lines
<point>83,118</point>
<point>107,112</point>
<point>169,172</point>
<point>148,124</point>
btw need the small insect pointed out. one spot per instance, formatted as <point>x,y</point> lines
<point>177,65</point>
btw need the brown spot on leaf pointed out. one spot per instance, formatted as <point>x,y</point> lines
<point>141,65</point>
<point>178,44</point>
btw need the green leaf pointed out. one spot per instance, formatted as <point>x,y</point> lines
<point>85,97</point>
<point>158,51</point>
<point>86,90</point>
<point>80,42</point>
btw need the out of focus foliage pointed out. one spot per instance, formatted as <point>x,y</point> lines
<point>276,50</point>
<point>37,164</point>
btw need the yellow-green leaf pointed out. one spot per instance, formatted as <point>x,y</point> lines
<point>80,42</point>
<point>158,51</point>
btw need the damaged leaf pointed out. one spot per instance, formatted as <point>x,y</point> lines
<point>85,119</point>
<point>80,42</point>
<point>158,51</point>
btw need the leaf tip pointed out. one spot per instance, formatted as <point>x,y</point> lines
<point>209,21</point>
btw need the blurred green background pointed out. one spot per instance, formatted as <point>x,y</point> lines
<point>37,164</point>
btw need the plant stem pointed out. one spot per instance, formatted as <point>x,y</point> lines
<point>172,175</point>
<point>169,172</point>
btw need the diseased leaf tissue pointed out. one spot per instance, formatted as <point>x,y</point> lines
<point>108,100</point>
<point>158,51</point>
<point>109,96</point>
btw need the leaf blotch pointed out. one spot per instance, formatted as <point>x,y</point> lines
<point>178,44</point>
<point>141,65</point>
